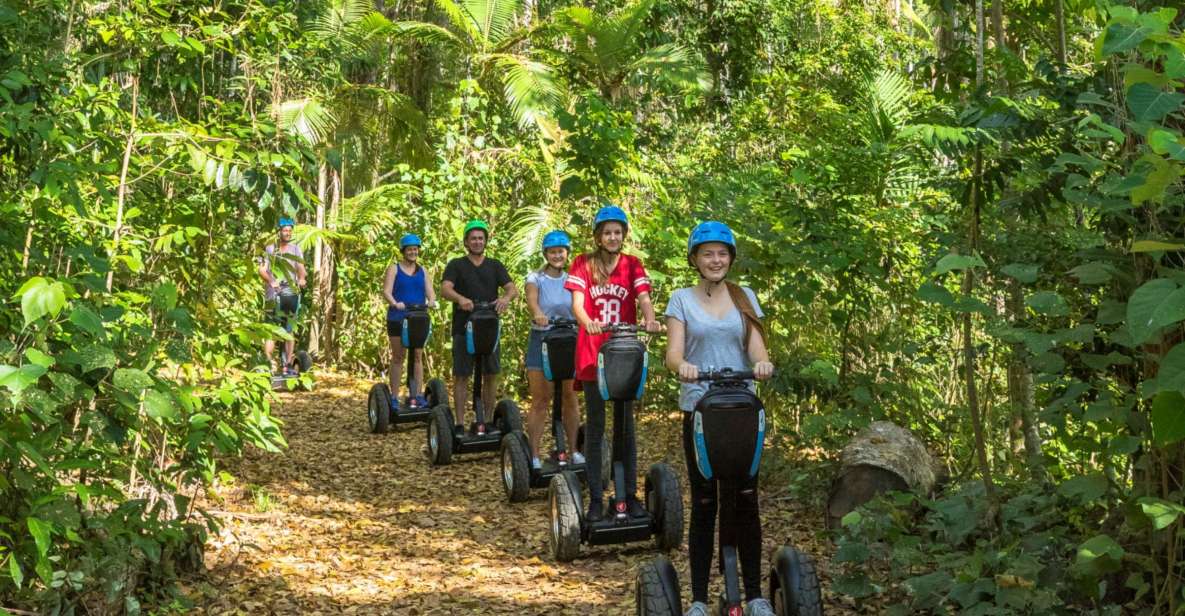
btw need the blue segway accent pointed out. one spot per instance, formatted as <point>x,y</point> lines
<point>642,382</point>
<point>601,384</point>
<point>404,335</point>
<point>471,347</point>
<point>760,442</point>
<point>546,364</point>
<point>701,446</point>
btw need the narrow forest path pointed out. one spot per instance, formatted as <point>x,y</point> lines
<point>348,522</point>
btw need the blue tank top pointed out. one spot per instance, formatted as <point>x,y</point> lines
<point>408,289</point>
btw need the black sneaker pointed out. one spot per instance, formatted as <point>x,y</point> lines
<point>634,507</point>
<point>458,431</point>
<point>596,511</point>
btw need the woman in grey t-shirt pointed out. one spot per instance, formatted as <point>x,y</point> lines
<point>716,324</point>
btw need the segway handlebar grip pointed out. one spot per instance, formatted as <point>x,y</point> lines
<point>724,374</point>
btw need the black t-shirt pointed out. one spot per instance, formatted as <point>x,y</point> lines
<point>478,283</point>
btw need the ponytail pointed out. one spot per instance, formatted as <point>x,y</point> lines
<point>748,313</point>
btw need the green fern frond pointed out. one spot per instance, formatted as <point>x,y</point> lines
<point>307,118</point>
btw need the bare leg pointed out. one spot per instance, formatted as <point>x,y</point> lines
<point>396,371</point>
<point>571,414</point>
<point>290,349</point>
<point>269,349</point>
<point>489,393</point>
<point>460,399</point>
<point>419,373</point>
<point>537,416</point>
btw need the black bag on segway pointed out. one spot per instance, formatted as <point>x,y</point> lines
<point>728,428</point>
<point>287,301</point>
<point>482,332</point>
<point>559,354</point>
<point>417,326</point>
<point>621,369</point>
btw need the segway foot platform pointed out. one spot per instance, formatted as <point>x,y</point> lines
<point>402,413</point>
<point>541,477</point>
<point>617,528</point>
<point>472,442</point>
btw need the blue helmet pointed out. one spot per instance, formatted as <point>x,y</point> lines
<point>285,222</point>
<point>411,239</point>
<point>610,213</point>
<point>711,231</point>
<point>557,239</point>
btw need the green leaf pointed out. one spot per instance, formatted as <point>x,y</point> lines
<point>1161,512</point>
<point>95,356</point>
<point>19,379</point>
<point>1166,142</point>
<point>170,38</point>
<point>1084,488</point>
<point>195,44</point>
<point>132,380</point>
<point>1155,246</point>
<point>159,405</point>
<point>1099,554</point>
<point>1146,303</point>
<point>1048,303</point>
<point>1168,417</point>
<point>935,293</point>
<point>40,297</point>
<point>957,262</point>
<point>1150,104</point>
<point>41,533</point>
<point>1092,273</point>
<point>38,358</point>
<point>1024,273</point>
<point>14,569</point>
<point>1122,37</point>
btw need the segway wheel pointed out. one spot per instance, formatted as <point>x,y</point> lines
<point>794,584</point>
<point>664,501</point>
<point>440,436</point>
<point>437,394</point>
<point>507,417</point>
<point>378,408</point>
<point>516,469</point>
<point>304,361</point>
<point>563,496</point>
<point>656,589</point>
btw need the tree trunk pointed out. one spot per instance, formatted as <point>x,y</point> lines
<point>326,301</point>
<point>316,325</point>
<point>123,182</point>
<point>1059,14</point>
<point>882,457</point>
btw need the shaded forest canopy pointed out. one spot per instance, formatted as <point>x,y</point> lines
<point>962,217</point>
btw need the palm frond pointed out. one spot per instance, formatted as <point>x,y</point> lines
<point>888,95</point>
<point>430,33</point>
<point>306,117</point>
<point>336,20</point>
<point>462,20</point>
<point>674,64</point>
<point>494,19</point>
<point>530,87</point>
<point>367,214</point>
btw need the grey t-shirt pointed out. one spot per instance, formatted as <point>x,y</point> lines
<point>709,342</point>
<point>554,299</point>
<point>282,266</point>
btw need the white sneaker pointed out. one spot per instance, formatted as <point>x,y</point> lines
<point>536,464</point>
<point>697,609</point>
<point>577,457</point>
<point>759,607</point>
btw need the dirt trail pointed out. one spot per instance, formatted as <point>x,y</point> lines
<point>348,522</point>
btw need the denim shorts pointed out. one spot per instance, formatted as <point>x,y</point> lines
<point>463,361</point>
<point>535,350</point>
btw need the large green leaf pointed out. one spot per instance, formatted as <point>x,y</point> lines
<point>41,531</point>
<point>1151,306</point>
<point>1048,303</point>
<point>954,262</point>
<point>1084,488</point>
<point>1023,272</point>
<point>1099,554</point>
<point>1149,103</point>
<point>132,380</point>
<point>1161,512</point>
<point>1171,374</point>
<point>39,297</point>
<point>1168,418</point>
<point>1121,37</point>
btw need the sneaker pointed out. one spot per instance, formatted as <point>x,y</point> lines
<point>577,457</point>
<point>596,512</point>
<point>634,507</point>
<point>759,607</point>
<point>419,402</point>
<point>698,608</point>
<point>458,431</point>
<point>536,464</point>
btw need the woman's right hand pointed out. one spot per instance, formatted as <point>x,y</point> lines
<point>593,328</point>
<point>541,320</point>
<point>688,372</point>
<point>400,305</point>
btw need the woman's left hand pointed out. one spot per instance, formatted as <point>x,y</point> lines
<point>763,370</point>
<point>653,327</point>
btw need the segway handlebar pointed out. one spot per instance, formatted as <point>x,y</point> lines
<point>628,328</point>
<point>724,374</point>
<point>561,322</point>
<point>483,306</point>
<point>416,307</point>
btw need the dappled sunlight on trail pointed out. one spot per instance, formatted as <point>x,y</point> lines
<point>348,522</point>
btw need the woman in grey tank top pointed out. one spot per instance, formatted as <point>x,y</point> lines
<point>716,324</point>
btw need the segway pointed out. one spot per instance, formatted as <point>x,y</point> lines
<point>382,410</point>
<point>287,306</point>
<point>559,365</point>
<point>622,365</point>
<point>729,429</point>
<point>445,439</point>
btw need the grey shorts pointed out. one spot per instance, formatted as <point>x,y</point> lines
<point>463,361</point>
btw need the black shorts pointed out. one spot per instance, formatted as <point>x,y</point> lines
<point>395,329</point>
<point>463,361</point>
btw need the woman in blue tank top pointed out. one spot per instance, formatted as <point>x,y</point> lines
<point>405,283</point>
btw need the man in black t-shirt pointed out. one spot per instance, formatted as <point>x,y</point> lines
<point>468,279</point>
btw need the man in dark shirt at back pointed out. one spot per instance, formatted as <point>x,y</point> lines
<point>468,279</point>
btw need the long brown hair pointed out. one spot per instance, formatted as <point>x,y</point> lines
<point>600,258</point>
<point>748,313</point>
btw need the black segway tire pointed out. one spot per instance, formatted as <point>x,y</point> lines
<point>563,497</point>
<point>794,584</point>
<point>440,436</point>
<point>378,408</point>
<point>516,467</point>
<point>664,501</point>
<point>507,417</point>
<point>304,361</point>
<point>656,589</point>
<point>437,394</point>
